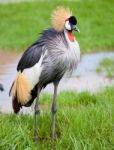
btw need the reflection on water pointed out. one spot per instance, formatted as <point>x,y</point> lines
<point>84,78</point>
<point>90,61</point>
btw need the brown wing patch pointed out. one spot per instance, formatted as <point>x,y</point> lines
<point>21,89</point>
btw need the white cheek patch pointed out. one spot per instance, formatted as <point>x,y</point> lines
<point>67,25</point>
<point>33,73</point>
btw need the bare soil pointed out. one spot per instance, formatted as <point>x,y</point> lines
<point>6,59</point>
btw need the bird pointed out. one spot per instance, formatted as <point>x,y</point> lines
<point>55,53</point>
<point>1,87</point>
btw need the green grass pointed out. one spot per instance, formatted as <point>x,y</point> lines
<point>106,66</point>
<point>84,122</point>
<point>20,24</point>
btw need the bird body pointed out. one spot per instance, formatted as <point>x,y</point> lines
<point>46,61</point>
<point>54,54</point>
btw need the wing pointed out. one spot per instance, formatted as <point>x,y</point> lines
<point>48,40</point>
<point>30,57</point>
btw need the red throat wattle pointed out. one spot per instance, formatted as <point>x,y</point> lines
<point>70,36</point>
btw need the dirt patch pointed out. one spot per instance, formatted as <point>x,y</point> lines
<point>6,59</point>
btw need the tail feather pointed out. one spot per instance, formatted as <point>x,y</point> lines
<point>11,88</point>
<point>16,105</point>
<point>21,89</point>
<point>21,93</point>
<point>34,95</point>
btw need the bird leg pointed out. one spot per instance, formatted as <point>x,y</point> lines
<point>54,109</point>
<point>36,111</point>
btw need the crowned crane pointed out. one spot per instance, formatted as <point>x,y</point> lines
<point>46,61</point>
<point>1,87</point>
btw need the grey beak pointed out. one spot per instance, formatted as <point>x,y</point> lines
<point>76,29</point>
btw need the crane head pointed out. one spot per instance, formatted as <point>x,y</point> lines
<point>62,19</point>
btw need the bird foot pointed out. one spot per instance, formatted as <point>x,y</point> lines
<point>52,138</point>
<point>37,110</point>
<point>35,138</point>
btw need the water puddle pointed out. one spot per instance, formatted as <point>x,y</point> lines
<point>84,78</point>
